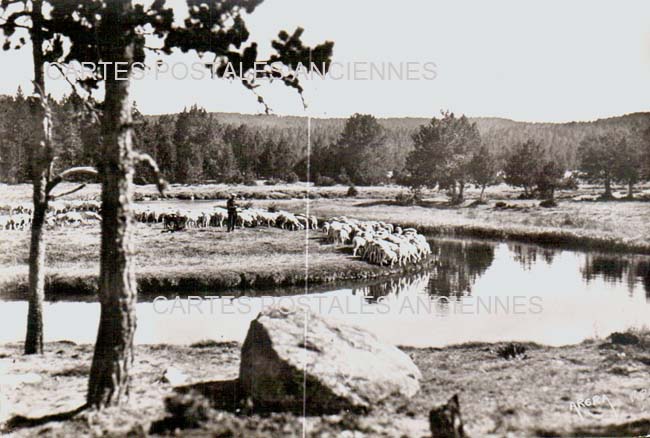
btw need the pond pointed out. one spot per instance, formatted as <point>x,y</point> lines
<point>474,291</point>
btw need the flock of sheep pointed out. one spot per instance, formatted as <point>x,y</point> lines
<point>217,216</point>
<point>377,242</point>
<point>19,216</point>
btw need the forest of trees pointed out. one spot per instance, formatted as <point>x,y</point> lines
<point>195,146</point>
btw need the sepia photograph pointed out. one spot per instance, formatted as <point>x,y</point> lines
<point>323,219</point>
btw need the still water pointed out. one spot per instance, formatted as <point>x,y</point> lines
<point>474,291</point>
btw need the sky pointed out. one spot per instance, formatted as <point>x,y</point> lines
<point>543,61</point>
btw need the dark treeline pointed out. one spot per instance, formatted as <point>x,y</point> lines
<point>195,146</point>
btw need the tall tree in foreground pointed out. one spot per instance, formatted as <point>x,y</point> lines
<point>30,17</point>
<point>109,373</point>
<point>114,34</point>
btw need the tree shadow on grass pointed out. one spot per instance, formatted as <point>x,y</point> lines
<point>440,205</point>
<point>21,422</point>
<point>633,428</point>
<point>193,405</point>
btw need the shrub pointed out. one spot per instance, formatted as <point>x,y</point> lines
<point>343,178</point>
<point>273,208</point>
<point>324,181</point>
<point>569,183</point>
<point>272,182</point>
<point>352,191</point>
<point>247,205</point>
<point>234,178</point>
<point>291,177</point>
<point>249,180</point>
<point>512,350</point>
<point>624,338</point>
<point>548,203</point>
<point>408,198</point>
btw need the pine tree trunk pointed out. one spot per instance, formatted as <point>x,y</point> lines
<point>40,161</point>
<point>109,375</point>
<point>482,192</point>
<point>630,190</point>
<point>34,336</point>
<point>608,188</point>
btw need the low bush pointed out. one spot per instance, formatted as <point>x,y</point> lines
<point>324,181</point>
<point>408,198</point>
<point>512,350</point>
<point>291,177</point>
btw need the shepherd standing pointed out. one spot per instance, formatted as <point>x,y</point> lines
<point>231,205</point>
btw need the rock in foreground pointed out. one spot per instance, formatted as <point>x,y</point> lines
<point>294,360</point>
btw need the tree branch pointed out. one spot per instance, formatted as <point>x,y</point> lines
<point>147,159</point>
<point>89,106</point>
<point>69,192</point>
<point>73,171</point>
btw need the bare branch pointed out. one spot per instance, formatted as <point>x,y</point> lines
<point>10,21</point>
<point>147,159</point>
<point>260,99</point>
<point>69,192</point>
<point>75,91</point>
<point>73,171</point>
<point>156,50</point>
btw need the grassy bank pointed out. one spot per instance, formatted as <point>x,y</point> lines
<point>210,259</point>
<point>527,396</point>
<point>261,191</point>
<point>608,226</point>
<point>195,260</point>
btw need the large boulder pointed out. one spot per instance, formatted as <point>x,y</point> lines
<point>293,360</point>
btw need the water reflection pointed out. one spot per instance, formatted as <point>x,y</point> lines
<point>526,255</point>
<point>618,269</point>
<point>413,284</point>
<point>473,291</point>
<point>458,264</point>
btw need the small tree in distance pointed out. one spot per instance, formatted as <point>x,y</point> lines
<point>608,158</point>
<point>522,165</point>
<point>629,165</point>
<point>483,169</point>
<point>362,152</point>
<point>443,150</point>
<point>549,177</point>
<point>597,160</point>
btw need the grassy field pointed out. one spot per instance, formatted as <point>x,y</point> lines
<point>210,259</point>
<point>22,192</point>
<point>526,396</point>
<point>207,259</point>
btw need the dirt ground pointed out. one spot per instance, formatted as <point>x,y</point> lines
<point>592,389</point>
